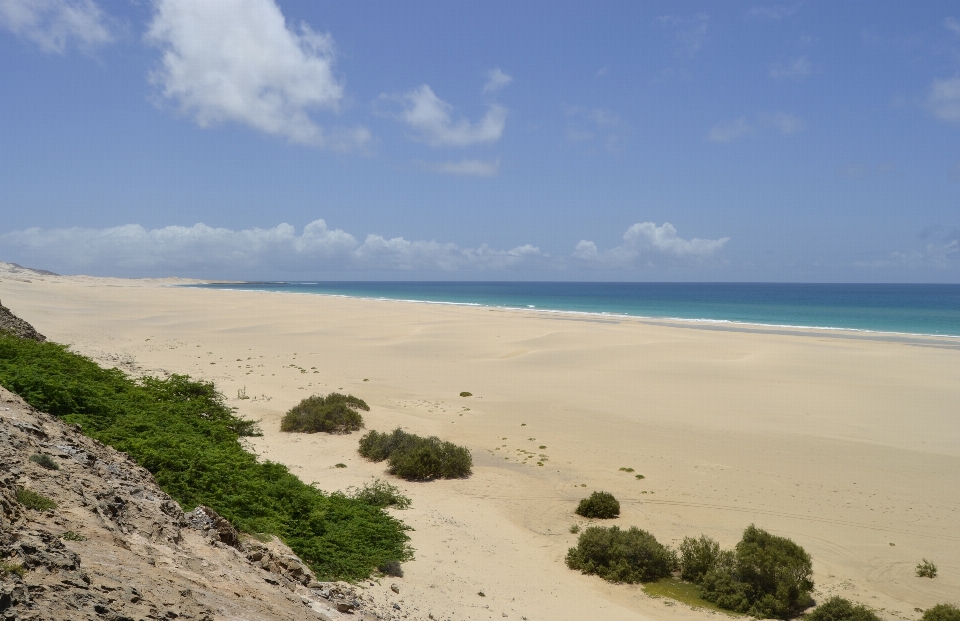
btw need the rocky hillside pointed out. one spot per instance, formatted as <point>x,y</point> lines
<point>11,324</point>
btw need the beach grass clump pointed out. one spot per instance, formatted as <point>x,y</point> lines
<point>11,569</point>
<point>183,432</point>
<point>44,461</point>
<point>840,609</point>
<point>697,556</point>
<point>415,458</point>
<point>381,494</point>
<point>926,569</point>
<point>616,555</point>
<point>601,505</point>
<point>941,612</point>
<point>334,413</point>
<point>32,500</point>
<point>765,576</point>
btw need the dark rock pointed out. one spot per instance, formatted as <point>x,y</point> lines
<point>11,324</point>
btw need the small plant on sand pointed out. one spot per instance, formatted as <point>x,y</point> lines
<point>340,465</point>
<point>380,494</point>
<point>72,536</point>
<point>335,413</point>
<point>616,555</point>
<point>600,505</point>
<point>840,609</point>
<point>33,500</point>
<point>10,569</point>
<point>926,569</point>
<point>574,528</point>
<point>626,469</point>
<point>45,461</point>
<point>466,394</point>
<point>415,458</point>
<point>392,569</point>
<point>697,557</point>
<point>942,612</point>
<point>242,393</point>
<point>640,477</point>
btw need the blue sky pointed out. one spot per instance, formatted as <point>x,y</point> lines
<point>815,141</point>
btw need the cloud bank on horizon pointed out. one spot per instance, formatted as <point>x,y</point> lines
<point>211,252</point>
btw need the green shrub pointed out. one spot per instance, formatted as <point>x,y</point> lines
<point>45,461</point>
<point>72,536</point>
<point>616,555</point>
<point>926,569</point>
<point>599,505</point>
<point>697,557</point>
<point>381,494</point>
<point>942,612</point>
<point>33,500</point>
<point>7,569</point>
<point>184,434</point>
<point>466,394</point>
<point>765,577</point>
<point>334,413</point>
<point>392,568</point>
<point>415,458</point>
<point>839,609</point>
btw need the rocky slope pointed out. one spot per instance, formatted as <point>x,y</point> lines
<point>11,324</point>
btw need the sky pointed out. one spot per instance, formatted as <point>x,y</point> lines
<point>437,140</point>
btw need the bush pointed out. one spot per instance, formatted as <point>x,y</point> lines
<point>8,569</point>
<point>45,461</point>
<point>466,394</point>
<point>616,555</point>
<point>839,609</point>
<point>33,500</point>
<point>184,434</point>
<point>415,458</point>
<point>600,505</point>
<point>926,569</point>
<point>381,494</point>
<point>765,577</point>
<point>697,557</point>
<point>942,612</point>
<point>334,413</point>
<point>392,568</point>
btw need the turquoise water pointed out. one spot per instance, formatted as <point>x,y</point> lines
<point>911,309</point>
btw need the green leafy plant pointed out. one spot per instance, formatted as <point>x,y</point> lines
<point>380,494</point>
<point>926,569</point>
<point>600,505</point>
<point>335,413</point>
<point>341,465</point>
<point>626,469</point>
<point>697,557</point>
<point>574,528</point>
<point>416,458</point>
<point>72,536</point>
<point>840,609</point>
<point>466,394</point>
<point>617,555</point>
<point>33,500</point>
<point>942,612</point>
<point>182,432</point>
<point>45,461</point>
<point>8,569</point>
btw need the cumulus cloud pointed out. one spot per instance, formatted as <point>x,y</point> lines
<point>475,168</point>
<point>944,99</point>
<point>496,79</point>
<point>647,240</point>
<point>730,131</point>
<point>55,24</point>
<point>207,251</point>
<point>236,60</point>
<point>798,69</point>
<point>430,117</point>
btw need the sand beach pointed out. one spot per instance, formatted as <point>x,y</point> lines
<point>847,443</point>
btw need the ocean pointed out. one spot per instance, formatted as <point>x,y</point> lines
<point>898,308</point>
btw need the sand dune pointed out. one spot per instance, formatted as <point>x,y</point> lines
<point>845,444</point>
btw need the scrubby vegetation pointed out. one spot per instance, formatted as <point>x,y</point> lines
<point>381,494</point>
<point>72,536</point>
<point>926,569</point>
<point>942,612</point>
<point>600,505</point>
<point>466,394</point>
<point>616,555</point>
<point>697,557</point>
<point>182,432</point>
<point>335,413</point>
<point>7,569</point>
<point>765,576</point>
<point>44,461</point>
<point>840,609</point>
<point>33,500</point>
<point>416,458</point>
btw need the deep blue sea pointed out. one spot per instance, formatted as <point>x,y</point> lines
<point>911,309</point>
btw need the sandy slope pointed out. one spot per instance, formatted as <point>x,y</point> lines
<point>844,444</point>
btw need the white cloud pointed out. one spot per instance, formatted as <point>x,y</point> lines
<point>798,69</point>
<point>430,116</point>
<point>690,34</point>
<point>731,130</point>
<point>944,99</point>
<point>952,25</point>
<point>647,240</point>
<point>786,123</point>
<point>54,24</point>
<point>496,79</point>
<point>585,125</point>
<point>236,60</point>
<point>476,168</point>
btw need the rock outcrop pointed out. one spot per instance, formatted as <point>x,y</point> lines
<point>11,324</point>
